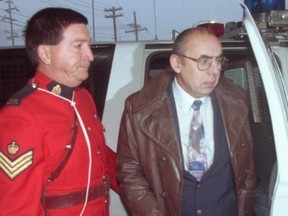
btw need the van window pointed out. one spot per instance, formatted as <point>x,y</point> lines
<point>156,62</point>
<point>99,74</point>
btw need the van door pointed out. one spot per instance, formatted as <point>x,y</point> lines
<point>276,94</point>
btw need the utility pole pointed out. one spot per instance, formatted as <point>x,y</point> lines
<point>11,35</point>
<point>93,20</point>
<point>114,16</point>
<point>155,21</point>
<point>135,27</point>
<point>174,34</point>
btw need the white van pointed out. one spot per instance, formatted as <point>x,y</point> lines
<point>262,73</point>
<point>120,69</point>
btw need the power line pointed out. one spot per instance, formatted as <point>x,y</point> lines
<point>135,28</point>
<point>114,16</point>
<point>96,13</point>
<point>11,35</point>
<point>14,24</point>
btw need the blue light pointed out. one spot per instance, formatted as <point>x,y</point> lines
<point>260,6</point>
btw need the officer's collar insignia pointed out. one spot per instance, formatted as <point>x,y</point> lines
<point>56,89</point>
<point>13,148</point>
<point>60,90</point>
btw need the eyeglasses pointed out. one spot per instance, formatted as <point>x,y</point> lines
<point>205,62</point>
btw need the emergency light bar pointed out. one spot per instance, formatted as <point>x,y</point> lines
<point>216,28</point>
<point>262,6</point>
<point>278,18</point>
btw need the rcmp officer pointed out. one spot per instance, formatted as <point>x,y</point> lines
<point>53,156</point>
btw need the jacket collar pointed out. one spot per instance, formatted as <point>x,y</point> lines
<point>46,83</point>
<point>155,109</point>
<point>232,100</point>
<point>155,91</point>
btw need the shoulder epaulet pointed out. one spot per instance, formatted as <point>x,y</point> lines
<point>16,99</point>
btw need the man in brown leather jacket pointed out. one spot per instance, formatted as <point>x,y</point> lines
<point>153,165</point>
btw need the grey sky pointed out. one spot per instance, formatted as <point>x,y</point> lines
<point>170,15</point>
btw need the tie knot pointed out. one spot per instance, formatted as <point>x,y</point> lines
<point>196,105</point>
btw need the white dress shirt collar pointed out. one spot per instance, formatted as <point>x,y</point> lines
<point>184,99</point>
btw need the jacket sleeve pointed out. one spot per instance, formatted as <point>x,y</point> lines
<point>134,188</point>
<point>21,166</point>
<point>111,167</point>
<point>247,178</point>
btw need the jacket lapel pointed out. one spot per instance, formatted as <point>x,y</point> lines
<point>158,119</point>
<point>230,102</point>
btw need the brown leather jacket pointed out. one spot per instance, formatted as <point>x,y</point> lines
<point>149,164</point>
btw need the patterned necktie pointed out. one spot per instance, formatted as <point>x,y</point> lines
<point>197,156</point>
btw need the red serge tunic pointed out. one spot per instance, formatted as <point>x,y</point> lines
<point>35,128</point>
